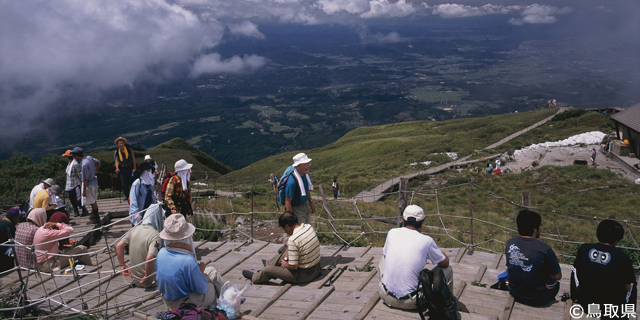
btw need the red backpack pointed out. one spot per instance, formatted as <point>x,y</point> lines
<point>165,182</point>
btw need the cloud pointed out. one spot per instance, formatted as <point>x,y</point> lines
<point>246,28</point>
<point>350,6</point>
<point>213,63</point>
<point>452,10</point>
<point>391,37</point>
<point>386,9</point>
<point>538,14</point>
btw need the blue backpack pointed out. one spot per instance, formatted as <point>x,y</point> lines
<point>283,184</point>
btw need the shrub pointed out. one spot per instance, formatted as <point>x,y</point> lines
<point>569,114</point>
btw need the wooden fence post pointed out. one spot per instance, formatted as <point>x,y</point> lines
<point>470,251</point>
<point>252,214</point>
<point>525,201</point>
<point>402,199</point>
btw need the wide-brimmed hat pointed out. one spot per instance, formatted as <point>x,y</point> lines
<point>300,158</point>
<point>413,211</point>
<point>118,139</point>
<point>67,154</point>
<point>49,182</point>
<point>55,189</point>
<point>182,165</point>
<point>147,157</point>
<point>176,228</point>
<point>144,166</point>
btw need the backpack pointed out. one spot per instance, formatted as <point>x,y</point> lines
<point>282,184</point>
<point>189,311</point>
<point>439,300</point>
<point>165,182</point>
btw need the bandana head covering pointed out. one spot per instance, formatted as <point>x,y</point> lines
<point>185,176</point>
<point>59,217</point>
<point>153,218</point>
<point>38,216</point>
<point>13,212</point>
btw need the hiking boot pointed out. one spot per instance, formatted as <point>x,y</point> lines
<point>247,274</point>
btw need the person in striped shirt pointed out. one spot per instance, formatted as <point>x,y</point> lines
<point>300,263</point>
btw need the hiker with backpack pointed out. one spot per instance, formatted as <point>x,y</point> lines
<point>89,166</point>
<point>177,190</point>
<point>405,255</point>
<point>336,189</point>
<point>141,195</point>
<point>125,160</point>
<point>293,190</point>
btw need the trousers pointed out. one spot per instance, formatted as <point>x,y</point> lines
<point>273,270</point>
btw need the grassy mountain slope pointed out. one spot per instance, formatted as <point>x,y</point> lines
<point>368,155</point>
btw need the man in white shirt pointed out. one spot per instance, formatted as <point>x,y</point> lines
<point>405,254</point>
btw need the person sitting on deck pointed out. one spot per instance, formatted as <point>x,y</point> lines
<point>45,199</point>
<point>44,237</point>
<point>45,184</point>
<point>404,255</point>
<point>7,231</point>
<point>141,195</point>
<point>24,236</point>
<point>144,244</point>
<point>602,273</point>
<point>180,277</point>
<point>532,267</point>
<point>300,263</point>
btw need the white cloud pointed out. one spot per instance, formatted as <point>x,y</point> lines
<point>391,37</point>
<point>453,10</point>
<point>386,9</point>
<point>539,14</point>
<point>213,64</point>
<point>246,28</point>
<point>350,6</point>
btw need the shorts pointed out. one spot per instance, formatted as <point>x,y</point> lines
<point>91,195</point>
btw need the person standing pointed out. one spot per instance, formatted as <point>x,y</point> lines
<point>297,197</point>
<point>153,164</point>
<point>593,156</point>
<point>336,189</point>
<point>125,164</point>
<point>178,193</point>
<point>141,196</point>
<point>602,273</point>
<point>533,270</point>
<point>74,182</point>
<point>274,182</point>
<point>89,166</point>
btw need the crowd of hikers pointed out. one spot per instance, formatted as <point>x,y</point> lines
<point>162,253</point>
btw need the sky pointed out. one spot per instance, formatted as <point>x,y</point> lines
<point>57,56</point>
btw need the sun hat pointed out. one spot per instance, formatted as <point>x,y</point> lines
<point>300,158</point>
<point>13,212</point>
<point>119,138</point>
<point>77,150</point>
<point>67,154</point>
<point>182,165</point>
<point>49,182</point>
<point>147,157</point>
<point>176,228</point>
<point>413,211</point>
<point>55,189</point>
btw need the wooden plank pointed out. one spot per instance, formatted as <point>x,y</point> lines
<point>460,289</point>
<point>496,261</point>
<point>364,251</point>
<point>480,274</point>
<point>317,303</point>
<point>567,309</point>
<point>508,308</point>
<point>366,281</point>
<point>364,264</point>
<point>335,259</point>
<point>460,254</point>
<point>336,252</point>
<point>327,278</point>
<point>273,299</point>
<point>243,259</point>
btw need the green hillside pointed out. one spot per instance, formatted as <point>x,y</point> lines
<point>367,156</point>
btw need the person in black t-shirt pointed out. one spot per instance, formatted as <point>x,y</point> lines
<point>533,269</point>
<point>604,274</point>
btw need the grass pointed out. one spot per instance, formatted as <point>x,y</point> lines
<point>571,191</point>
<point>367,156</point>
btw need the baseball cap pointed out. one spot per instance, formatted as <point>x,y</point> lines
<point>413,211</point>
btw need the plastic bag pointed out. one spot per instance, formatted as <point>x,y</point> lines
<point>230,299</point>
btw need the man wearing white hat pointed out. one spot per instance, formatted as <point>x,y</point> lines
<point>297,197</point>
<point>180,277</point>
<point>178,194</point>
<point>405,254</point>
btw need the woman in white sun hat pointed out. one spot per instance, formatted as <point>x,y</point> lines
<point>180,277</point>
<point>178,192</point>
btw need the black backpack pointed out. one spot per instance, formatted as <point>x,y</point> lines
<point>439,300</point>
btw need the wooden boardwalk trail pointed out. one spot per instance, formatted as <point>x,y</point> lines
<point>379,191</point>
<point>340,292</point>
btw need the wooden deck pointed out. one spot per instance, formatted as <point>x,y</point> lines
<point>335,294</point>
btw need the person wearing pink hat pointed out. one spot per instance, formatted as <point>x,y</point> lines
<point>181,279</point>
